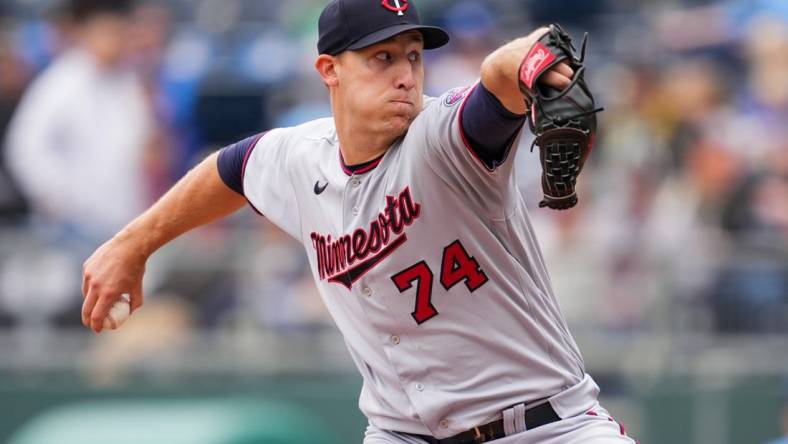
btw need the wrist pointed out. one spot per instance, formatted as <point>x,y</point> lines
<point>138,242</point>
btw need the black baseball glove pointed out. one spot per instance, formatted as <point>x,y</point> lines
<point>564,122</point>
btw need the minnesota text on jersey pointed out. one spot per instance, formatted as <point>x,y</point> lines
<point>336,258</point>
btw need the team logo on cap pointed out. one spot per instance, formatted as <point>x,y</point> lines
<point>399,6</point>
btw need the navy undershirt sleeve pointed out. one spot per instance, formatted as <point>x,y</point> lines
<point>231,161</point>
<point>489,127</point>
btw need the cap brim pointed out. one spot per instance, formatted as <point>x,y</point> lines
<point>434,37</point>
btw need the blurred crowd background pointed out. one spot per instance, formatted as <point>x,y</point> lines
<point>672,271</point>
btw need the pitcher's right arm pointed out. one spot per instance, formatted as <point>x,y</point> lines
<point>117,267</point>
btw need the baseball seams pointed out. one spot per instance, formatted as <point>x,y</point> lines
<point>118,313</point>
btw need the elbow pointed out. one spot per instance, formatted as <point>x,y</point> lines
<point>499,73</point>
<point>499,76</point>
<point>492,72</point>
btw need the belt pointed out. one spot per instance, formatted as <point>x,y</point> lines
<point>538,416</point>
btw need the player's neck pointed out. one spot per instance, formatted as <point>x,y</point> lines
<point>357,156</point>
<point>359,145</point>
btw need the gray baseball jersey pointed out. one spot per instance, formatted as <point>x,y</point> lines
<point>429,265</point>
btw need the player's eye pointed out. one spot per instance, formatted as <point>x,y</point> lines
<point>414,56</point>
<point>383,56</point>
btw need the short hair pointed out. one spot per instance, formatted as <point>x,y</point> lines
<point>82,10</point>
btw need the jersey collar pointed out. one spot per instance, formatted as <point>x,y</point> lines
<point>359,168</point>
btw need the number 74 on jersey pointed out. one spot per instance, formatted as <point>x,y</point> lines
<point>456,266</point>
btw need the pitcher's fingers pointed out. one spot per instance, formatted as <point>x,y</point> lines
<point>101,310</point>
<point>87,306</point>
<point>555,80</point>
<point>85,284</point>
<point>137,298</point>
<point>564,69</point>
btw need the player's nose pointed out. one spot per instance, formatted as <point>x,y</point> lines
<point>406,76</point>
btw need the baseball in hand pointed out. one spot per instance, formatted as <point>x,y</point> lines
<point>118,313</point>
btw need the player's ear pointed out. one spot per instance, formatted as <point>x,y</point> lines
<point>326,66</point>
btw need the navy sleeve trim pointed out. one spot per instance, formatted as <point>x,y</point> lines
<point>488,128</point>
<point>231,162</point>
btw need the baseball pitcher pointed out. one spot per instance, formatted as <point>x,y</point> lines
<point>417,236</point>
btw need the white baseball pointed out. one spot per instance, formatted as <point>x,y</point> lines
<point>118,313</point>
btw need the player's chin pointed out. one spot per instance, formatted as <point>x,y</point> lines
<point>402,112</point>
<point>398,124</point>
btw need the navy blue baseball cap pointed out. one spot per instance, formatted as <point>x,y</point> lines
<point>356,24</point>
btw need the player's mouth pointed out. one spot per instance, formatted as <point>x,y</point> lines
<point>405,108</point>
<point>403,101</point>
